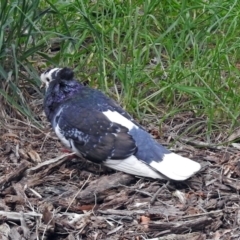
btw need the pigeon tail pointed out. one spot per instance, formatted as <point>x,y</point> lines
<point>176,167</point>
<point>132,165</point>
<point>172,167</point>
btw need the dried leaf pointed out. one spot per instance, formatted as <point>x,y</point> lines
<point>144,221</point>
<point>86,207</point>
<point>10,135</point>
<point>34,156</point>
<point>235,135</point>
<point>22,154</point>
<point>47,214</point>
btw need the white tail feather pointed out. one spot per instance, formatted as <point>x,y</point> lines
<point>176,167</point>
<point>172,166</point>
<point>132,165</point>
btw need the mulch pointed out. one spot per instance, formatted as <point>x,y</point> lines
<point>48,194</point>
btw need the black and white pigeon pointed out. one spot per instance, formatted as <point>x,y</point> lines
<point>96,127</point>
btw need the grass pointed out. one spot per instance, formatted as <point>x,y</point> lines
<point>183,55</point>
<point>19,40</point>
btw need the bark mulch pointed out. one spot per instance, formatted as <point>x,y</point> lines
<point>48,194</point>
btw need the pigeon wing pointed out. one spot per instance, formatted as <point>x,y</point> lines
<point>92,134</point>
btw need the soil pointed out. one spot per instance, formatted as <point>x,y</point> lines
<point>48,194</point>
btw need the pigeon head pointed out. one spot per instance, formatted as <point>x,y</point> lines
<point>60,87</point>
<point>56,74</point>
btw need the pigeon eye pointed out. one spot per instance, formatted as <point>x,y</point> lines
<point>48,80</point>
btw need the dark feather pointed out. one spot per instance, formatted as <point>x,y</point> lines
<point>94,135</point>
<point>66,74</point>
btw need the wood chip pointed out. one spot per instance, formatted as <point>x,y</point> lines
<point>4,231</point>
<point>99,189</point>
<point>17,173</point>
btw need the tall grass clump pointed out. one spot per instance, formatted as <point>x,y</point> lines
<point>155,57</point>
<point>20,39</point>
<point>182,55</point>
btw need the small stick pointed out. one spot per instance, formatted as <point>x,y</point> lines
<point>158,191</point>
<point>78,192</point>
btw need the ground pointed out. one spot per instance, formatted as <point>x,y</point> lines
<point>48,194</point>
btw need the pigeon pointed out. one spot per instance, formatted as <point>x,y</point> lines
<point>94,126</point>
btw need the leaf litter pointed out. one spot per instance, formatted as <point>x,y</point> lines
<point>48,194</point>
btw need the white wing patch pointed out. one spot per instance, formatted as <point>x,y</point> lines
<point>132,165</point>
<point>116,117</point>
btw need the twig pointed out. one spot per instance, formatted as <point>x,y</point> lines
<point>58,160</point>
<point>158,191</point>
<point>78,193</point>
<point>211,214</point>
<point>15,216</point>
<point>128,213</point>
<point>197,143</point>
<point>143,192</point>
<point>35,193</point>
<point>44,140</point>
